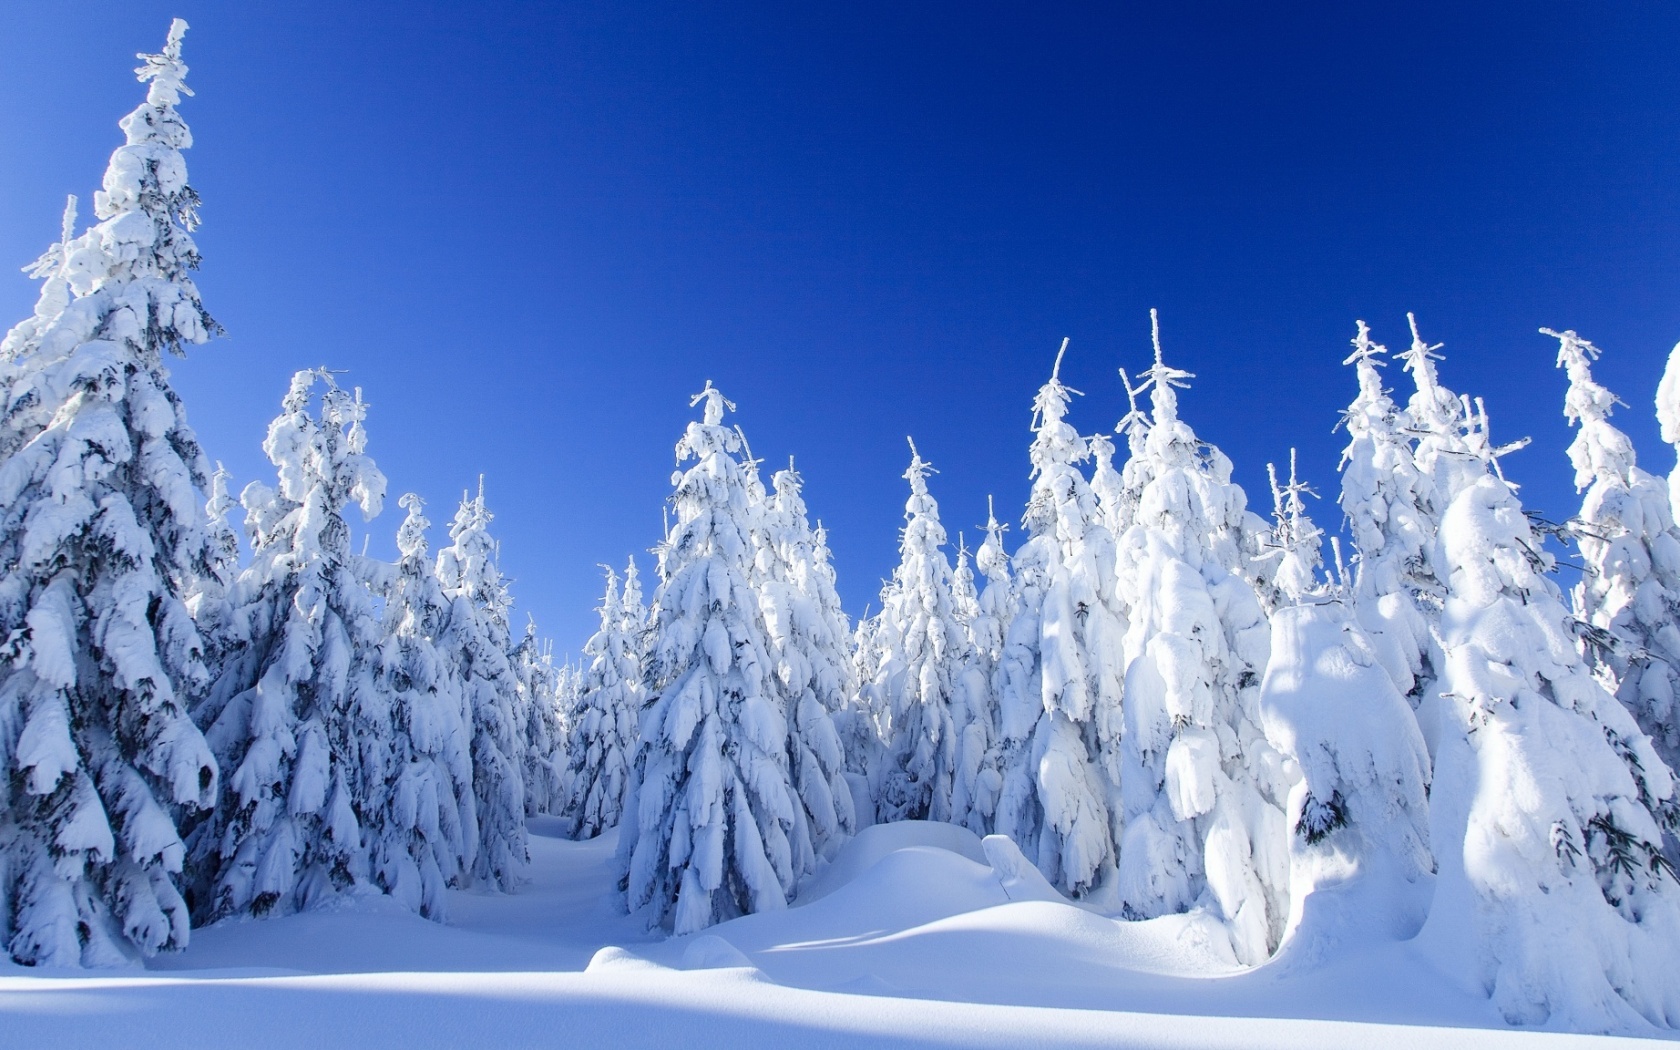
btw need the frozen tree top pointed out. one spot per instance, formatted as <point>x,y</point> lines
<point>917,472</point>
<point>716,403</point>
<point>1162,380</point>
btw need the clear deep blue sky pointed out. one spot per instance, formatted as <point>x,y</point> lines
<point>531,230</point>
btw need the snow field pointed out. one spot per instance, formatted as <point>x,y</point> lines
<point>909,939</point>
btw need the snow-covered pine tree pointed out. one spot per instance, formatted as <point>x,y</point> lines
<point>808,635</point>
<point>1297,542</point>
<point>1359,851</point>
<point>1391,512</point>
<point>1630,590</point>
<point>924,649</point>
<point>1439,423</point>
<point>543,744</point>
<point>1553,895</point>
<point>299,719</point>
<point>603,724</point>
<point>861,722</point>
<point>476,634</point>
<point>422,830</point>
<point>979,781</point>
<point>707,818</point>
<point>1203,790</point>
<point>1060,782</point>
<point>102,538</point>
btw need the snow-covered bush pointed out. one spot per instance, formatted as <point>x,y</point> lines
<point>102,540</point>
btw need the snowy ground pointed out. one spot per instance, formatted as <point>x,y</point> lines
<point>912,938</point>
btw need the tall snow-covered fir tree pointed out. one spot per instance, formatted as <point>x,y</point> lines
<point>1630,590</point>
<point>1203,790</point>
<point>1298,544</point>
<point>923,651</point>
<point>603,723</point>
<point>422,830</point>
<point>1553,895</point>
<point>1060,781</point>
<point>979,781</point>
<point>102,537</point>
<point>542,744</point>
<point>1390,507</point>
<point>299,718</point>
<point>1358,811</point>
<point>711,805</point>
<point>809,639</point>
<point>477,636</point>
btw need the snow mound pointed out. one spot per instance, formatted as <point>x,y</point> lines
<point>873,843</point>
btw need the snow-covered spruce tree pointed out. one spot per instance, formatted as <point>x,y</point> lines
<point>711,804</point>
<point>476,636</point>
<point>1440,424</point>
<point>102,537</point>
<point>979,781</point>
<point>1203,790</point>
<point>1296,541</point>
<point>1358,811</point>
<point>1391,513</point>
<point>603,724</point>
<point>924,649</point>
<point>422,830</point>
<point>861,722</point>
<point>299,719</point>
<point>1059,781</point>
<point>1631,589</point>
<point>808,636</point>
<point>1553,896</point>
<point>542,742</point>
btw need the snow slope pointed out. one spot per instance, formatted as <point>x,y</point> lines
<point>917,935</point>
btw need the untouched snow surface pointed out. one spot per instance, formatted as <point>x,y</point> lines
<point>917,935</point>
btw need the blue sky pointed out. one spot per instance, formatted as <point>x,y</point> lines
<point>531,230</point>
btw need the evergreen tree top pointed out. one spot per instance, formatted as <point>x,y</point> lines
<point>1135,423</point>
<point>1366,358</point>
<point>1161,380</point>
<point>716,403</point>
<point>411,534</point>
<point>1055,442</point>
<point>1420,360</point>
<point>1599,450</point>
<point>916,474</point>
